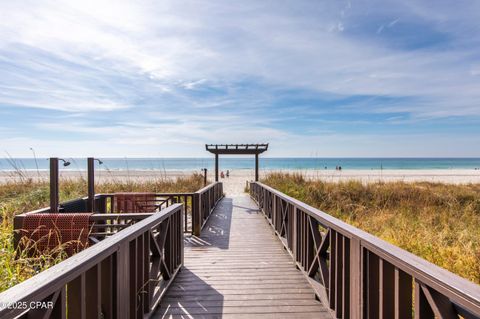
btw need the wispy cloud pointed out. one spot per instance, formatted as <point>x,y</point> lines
<point>176,73</point>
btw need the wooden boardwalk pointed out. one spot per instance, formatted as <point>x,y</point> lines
<point>239,269</point>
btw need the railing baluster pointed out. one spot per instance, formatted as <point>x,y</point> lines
<point>146,275</point>
<point>332,267</point>
<point>387,287</point>
<point>373,285</point>
<point>185,201</point>
<point>122,293</point>
<point>76,300</point>
<point>346,278</point>
<point>294,233</point>
<point>93,291</point>
<point>310,244</point>
<point>140,281</point>
<point>60,309</point>
<point>339,276</point>
<point>305,231</point>
<point>107,287</point>
<point>133,277</point>
<point>403,295</point>
<point>356,300</point>
<point>422,307</point>
<point>290,228</point>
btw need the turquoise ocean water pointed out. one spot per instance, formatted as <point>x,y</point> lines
<point>232,163</point>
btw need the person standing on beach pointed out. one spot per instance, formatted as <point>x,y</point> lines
<point>228,173</point>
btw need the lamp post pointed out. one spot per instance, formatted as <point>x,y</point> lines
<point>91,182</point>
<point>54,190</point>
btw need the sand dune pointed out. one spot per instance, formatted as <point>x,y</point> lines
<point>236,182</point>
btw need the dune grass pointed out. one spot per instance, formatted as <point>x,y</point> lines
<point>26,194</point>
<point>438,222</point>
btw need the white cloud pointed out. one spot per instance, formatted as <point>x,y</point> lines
<point>180,41</point>
<point>149,57</point>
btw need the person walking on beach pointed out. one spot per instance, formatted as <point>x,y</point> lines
<point>228,173</point>
<point>222,175</point>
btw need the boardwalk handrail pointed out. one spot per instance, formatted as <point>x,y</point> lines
<point>123,276</point>
<point>359,275</point>
<point>204,202</point>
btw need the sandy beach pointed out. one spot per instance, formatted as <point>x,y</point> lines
<point>236,182</point>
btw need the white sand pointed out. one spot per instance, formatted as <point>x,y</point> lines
<point>235,184</point>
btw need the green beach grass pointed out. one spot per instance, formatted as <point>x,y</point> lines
<point>438,222</point>
<point>26,195</point>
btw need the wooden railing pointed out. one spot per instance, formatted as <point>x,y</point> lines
<point>123,276</point>
<point>104,204</point>
<point>104,209</point>
<point>359,275</point>
<point>204,202</point>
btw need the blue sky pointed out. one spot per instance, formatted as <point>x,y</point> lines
<point>313,78</point>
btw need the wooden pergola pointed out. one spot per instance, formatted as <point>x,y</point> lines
<point>236,149</point>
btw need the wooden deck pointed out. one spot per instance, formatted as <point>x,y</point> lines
<point>239,269</point>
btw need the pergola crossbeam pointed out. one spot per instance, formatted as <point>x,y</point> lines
<point>236,149</point>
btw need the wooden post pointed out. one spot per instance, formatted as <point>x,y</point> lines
<point>54,197</point>
<point>196,215</point>
<point>256,167</point>
<point>216,167</point>
<point>122,296</point>
<point>91,184</point>
<point>356,302</point>
<point>204,177</point>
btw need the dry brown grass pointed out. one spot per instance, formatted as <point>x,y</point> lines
<point>25,195</point>
<point>435,221</point>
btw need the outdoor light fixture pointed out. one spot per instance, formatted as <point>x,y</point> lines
<point>65,163</point>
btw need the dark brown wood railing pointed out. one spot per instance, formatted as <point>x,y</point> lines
<point>204,202</point>
<point>359,275</point>
<point>104,204</point>
<point>104,207</point>
<point>123,276</point>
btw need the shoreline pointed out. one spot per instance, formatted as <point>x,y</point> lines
<point>236,182</point>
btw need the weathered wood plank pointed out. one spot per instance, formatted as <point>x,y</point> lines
<point>242,303</point>
<point>171,299</point>
<point>311,315</point>
<point>243,310</point>
<point>238,268</point>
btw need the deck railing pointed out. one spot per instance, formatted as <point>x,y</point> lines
<point>123,276</point>
<point>204,202</point>
<point>359,275</point>
<point>105,204</point>
<point>106,214</point>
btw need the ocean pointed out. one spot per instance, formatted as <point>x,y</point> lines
<point>232,163</point>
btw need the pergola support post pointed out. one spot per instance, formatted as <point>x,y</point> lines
<point>216,167</point>
<point>256,167</point>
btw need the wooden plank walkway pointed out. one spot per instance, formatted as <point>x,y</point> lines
<point>239,269</point>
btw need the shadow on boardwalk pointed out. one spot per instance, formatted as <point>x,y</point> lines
<point>239,269</point>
